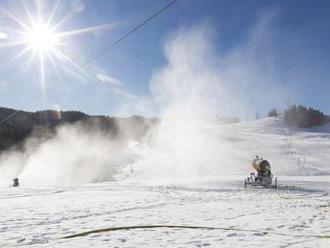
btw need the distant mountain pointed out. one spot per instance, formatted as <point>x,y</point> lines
<point>42,124</point>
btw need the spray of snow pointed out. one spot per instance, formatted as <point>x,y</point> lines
<point>73,155</point>
<point>190,94</point>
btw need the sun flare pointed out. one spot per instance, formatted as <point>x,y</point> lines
<point>42,38</point>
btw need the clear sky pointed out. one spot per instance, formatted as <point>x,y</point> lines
<point>281,46</point>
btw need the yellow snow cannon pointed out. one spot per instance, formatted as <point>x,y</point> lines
<point>264,176</point>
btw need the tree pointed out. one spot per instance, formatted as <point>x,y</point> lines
<point>301,116</point>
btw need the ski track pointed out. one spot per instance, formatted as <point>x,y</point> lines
<point>40,219</point>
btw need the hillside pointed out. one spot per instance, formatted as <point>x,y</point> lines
<point>107,148</point>
<point>292,151</point>
<point>208,149</point>
<point>42,124</point>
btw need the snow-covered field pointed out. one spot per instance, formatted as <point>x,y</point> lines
<point>255,217</point>
<point>295,215</point>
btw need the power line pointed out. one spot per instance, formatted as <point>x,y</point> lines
<point>106,49</point>
<point>98,54</point>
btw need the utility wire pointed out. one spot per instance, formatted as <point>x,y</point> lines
<point>106,49</point>
<point>98,54</point>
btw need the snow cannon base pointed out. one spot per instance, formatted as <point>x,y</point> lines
<point>265,181</point>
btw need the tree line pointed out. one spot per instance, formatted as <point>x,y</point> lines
<point>301,116</point>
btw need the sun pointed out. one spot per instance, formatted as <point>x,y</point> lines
<point>42,38</point>
<point>41,34</point>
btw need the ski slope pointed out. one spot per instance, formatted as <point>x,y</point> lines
<point>294,152</point>
<point>295,215</point>
<point>218,149</point>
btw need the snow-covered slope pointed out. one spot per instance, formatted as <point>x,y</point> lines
<point>290,151</point>
<point>174,148</point>
<point>228,149</point>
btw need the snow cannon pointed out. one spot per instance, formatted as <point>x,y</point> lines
<point>15,182</point>
<point>264,176</point>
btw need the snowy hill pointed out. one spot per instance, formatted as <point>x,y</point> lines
<point>227,149</point>
<point>171,149</point>
<point>291,151</point>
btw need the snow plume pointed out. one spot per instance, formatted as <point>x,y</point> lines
<point>73,155</point>
<point>190,83</point>
<point>191,94</point>
<point>235,83</point>
<point>193,89</point>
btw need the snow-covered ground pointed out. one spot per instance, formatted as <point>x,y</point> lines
<point>295,215</point>
<point>40,217</point>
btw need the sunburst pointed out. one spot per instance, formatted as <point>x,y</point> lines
<point>41,37</point>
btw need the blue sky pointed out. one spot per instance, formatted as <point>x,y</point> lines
<point>287,42</point>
